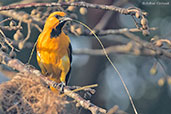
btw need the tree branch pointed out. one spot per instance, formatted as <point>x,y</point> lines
<point>79,4</point>
<point>159,51</point>
<point>113,31</point>
<point>130,48</point>
<point>26,70</point>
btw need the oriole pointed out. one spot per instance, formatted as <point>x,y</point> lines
<point>54,51</point>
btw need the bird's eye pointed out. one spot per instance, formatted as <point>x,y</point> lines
<point>57,16</point>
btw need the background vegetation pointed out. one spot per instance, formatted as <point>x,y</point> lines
<point>146,74</point>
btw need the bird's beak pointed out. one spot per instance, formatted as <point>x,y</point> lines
<point>63,20</point>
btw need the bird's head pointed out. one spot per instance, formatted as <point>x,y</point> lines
<point>56,19</point>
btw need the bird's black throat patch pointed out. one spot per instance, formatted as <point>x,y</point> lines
<point>57,31</point>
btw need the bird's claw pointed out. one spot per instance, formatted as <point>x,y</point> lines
<point>61,85</point>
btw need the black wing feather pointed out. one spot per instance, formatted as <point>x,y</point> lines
<point>70,58</point>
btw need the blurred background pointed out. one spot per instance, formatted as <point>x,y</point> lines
<point>151,92</point>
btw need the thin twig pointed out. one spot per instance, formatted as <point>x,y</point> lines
<point>92,91</point>
<point>105,19</point>
<point>162,66</point>
<point>10,18</point>
<point>117,31</point>
<point>113,110</point>
<point>113,65</point>
<point>136,23</point>
<point>37,26</point>
<point>82,88</point>
<point>85,103</point>
<point>7,41</point>
<point>13,106</point>
<point>120,49</point>
<point>20,16</point>
<point>28,33</point>
<point>10,28</point>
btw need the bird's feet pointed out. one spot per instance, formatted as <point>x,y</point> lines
<point>61,85</point>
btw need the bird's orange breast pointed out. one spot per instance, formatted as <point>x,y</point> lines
<point>49,47</point>
<point>50,51</point>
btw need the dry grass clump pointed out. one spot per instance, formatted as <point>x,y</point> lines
<point>28,95</point>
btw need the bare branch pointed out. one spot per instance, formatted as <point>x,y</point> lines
<point>18,65</point>
<point>79,4</point>
<point>28,33</point>
<point>20,16</point>
<point>7,41</point>
<point>114,31</point>
<point>10,28</point>
<point>158,51</point>
<point>115,110</point>
<point>130,48</point>
<point>85,103</point>
<point>5,20</point>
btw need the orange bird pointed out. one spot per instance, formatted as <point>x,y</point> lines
<point>54,51</point>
